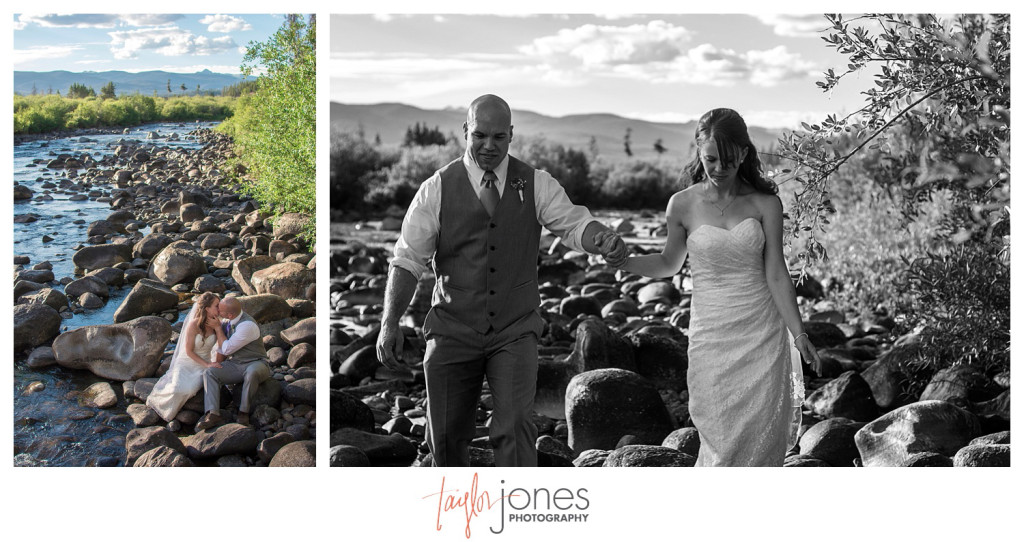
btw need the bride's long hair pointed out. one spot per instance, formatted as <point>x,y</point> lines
<point>203,302</point>
<point>729,131</point>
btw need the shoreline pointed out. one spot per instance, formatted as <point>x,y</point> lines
<point>83,132</point>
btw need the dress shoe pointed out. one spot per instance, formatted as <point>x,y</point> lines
<point>211,419</point>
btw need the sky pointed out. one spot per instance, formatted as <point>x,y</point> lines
<point>669,68</point>
<point>134,43</point>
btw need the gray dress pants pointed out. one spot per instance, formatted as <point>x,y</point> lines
<point>249,373</point>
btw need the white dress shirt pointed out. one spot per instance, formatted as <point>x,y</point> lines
<point>418,242</point>
<point>244,333</point>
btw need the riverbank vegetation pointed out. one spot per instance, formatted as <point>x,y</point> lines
<point>49,113</point>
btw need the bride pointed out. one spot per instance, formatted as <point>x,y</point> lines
<point>746,335</point>
<point>191,357</point>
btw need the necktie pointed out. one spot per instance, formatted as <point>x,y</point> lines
<point>489,195</point>
<point>227,328</point>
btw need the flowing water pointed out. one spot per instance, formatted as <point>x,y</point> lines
<point>50,428</point>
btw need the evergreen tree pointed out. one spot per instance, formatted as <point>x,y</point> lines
<point>107,91</point>
<point>626,141</point>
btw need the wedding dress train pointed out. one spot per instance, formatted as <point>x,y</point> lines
<point>183,379</point>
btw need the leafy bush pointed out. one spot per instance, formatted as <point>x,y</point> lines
<point>639,184</point>
<point>48,113</point>
<point>275,129</point>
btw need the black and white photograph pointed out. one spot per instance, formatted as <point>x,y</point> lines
<point>669,240</point>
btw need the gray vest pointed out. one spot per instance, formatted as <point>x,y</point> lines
<point>252,351</point>
<point>486,267</point>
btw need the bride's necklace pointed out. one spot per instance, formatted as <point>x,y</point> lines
<point>721,210</point>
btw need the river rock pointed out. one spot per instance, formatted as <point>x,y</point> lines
<point>127,351</point>
<point>361,364</point>
<point>824,334</point>
<point>163,456</point>
<point>302,355</point>
<point>112,276</point>
<point>216,241</point>
<point>146,297</point>
<point>379,449</point>
<point>98,256</point>
<point>591,458</point>
<point>265,307</point>
<point>831,441</point>
<point>983,455</point>
<point>301,392</point>
<point>22,192</point>
<point>348,456</point>
<point>660,359</point>
<point>178,262</point>
<point>953,384</point>
<point>684,439</point>
<point>801,460</point>
<point>304,331</point>
<point>639,455</point>
<point>848,396</point>
<point>142,415</point>
<point>271,445</point>
<point>296,454</point>
<point>190,212</point>
<point>88,284</point>
<point>47,296</point>
<point>243,269</point>
<point>287,279</point>
<point>289,225</point>
<point>34,325</point>
<point>349,411</point>
<point>1002,437</point>
<point>89,300</point>
<point>24,287</point>
<point>885,376</point>
<point>659,291</point>
<point>268,393</point>
<point>41,357</point>
<point>209,283</point>
<point>924,426</point>
<point>603,405</point>
<point>599,347</point>
<point>98,395</point>
<point>928,459</point>
<point>35,275</point>
<point>232,438</point>
<point>143,439</point>
<point>150,245</point>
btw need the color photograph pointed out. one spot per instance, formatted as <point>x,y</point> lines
<point>164,240</point>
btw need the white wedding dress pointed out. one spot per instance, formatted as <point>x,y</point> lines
<point>182,380</point>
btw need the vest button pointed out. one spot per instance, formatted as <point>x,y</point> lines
<point>493,225</point>
<point>492,247</point>
<point>492,292</point>
<point>491,313</point>
<point>493,270</point>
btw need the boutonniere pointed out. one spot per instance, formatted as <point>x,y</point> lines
<point>519,185</point>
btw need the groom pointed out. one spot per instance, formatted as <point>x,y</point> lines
<point>242,360</point>
<point>479,220</point>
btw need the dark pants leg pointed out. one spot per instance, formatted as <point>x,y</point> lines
<point>512,376</point>
<point>213,377</point>
<point>454,372</point>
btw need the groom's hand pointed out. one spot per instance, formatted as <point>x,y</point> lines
<point>389,346</point>
<point>612,247</point>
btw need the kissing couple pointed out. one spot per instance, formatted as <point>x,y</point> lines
<point>219,344</point>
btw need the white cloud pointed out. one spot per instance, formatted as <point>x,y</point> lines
<point>22,56</point>
<point>167,41</point>
<point>783,118</point>
<point>359,65</point>
<point>150,19</point>
<point>604,45</point>
<point>801,26</point>
<point>710,65</point>
<point>439,18</point>
<point>95,20</point>
<point>224,23</point>
<point>383,17</point>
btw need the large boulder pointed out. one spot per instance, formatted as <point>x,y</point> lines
<point>286,279</point>
<point>243,269</point>
<point>163,456</point>
<point>603,405</point>
<point>127,351</point>
<point>289,225</point>
<point>98,256</point>
<point>983,455</point>
<point>232,438</point>
<point>684,439</point>
<point>885,376</point>
<point>147,297</point>
<point>831,441</point>
<point>265,307</point>
<point>379,449</point>
<point>648,456</point>
<point>47,296</point>
<point>143,439</point>
<point>348,456</point>
<point>178,262</point>
<point>847,396</point>
<point>302,392</point>
<point>34,325</point>
<point>90,284</point>
<point>296,454</point>
<point>150,245</point>
<point>953,384</point>
<point>924,426</point>
<point>304,331</point>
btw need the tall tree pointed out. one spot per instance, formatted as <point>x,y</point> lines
<point>659,147</point>
<point>107,91</point>
<point>627,141</point>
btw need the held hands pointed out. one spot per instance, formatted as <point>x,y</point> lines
<point>612,247</point>
<point>810,355</point>
<point>389,346</point>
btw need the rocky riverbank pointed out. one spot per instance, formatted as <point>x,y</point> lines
<point>178,226</point>
<point>611,386</point>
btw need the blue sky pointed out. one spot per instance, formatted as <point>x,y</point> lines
<point>655,67</point>
<point>169,42</point>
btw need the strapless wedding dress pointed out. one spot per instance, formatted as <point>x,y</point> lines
<point>744,376</point>
<point>182,380</point>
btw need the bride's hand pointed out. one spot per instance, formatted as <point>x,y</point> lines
<point>211,326</point>
<point>810,354</point>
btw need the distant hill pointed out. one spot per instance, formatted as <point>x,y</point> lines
<point>390,120</point>
<point>124,82</point>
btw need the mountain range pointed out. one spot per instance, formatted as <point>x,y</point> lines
<point>390,121</point>
<point>124,82</point>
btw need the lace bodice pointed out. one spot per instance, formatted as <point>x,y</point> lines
<point>203,346</point>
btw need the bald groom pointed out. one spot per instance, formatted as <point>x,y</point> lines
<point>479,220</point>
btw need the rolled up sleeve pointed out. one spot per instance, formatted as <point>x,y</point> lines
<point>557,213</point>
<point>418,241</point>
